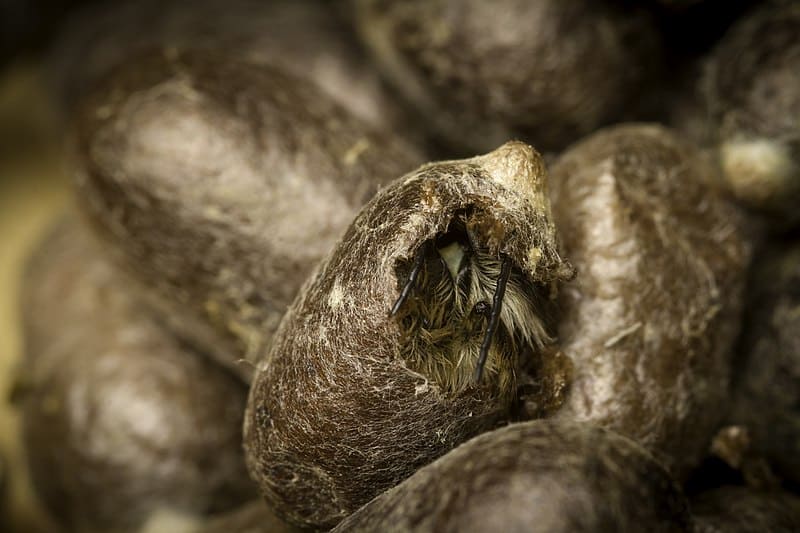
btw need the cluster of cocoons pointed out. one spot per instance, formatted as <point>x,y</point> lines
<point>272,316</point>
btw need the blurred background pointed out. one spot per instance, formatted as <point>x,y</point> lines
<point>33,187</point>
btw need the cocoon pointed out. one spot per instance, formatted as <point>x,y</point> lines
<point>121,421</point>
<point>363,385</point>
<point>537,476</point>
<point>655,309</point>
<point>752,90</point>
<point>303,37</point>
<point>219,185</point>
<point>481,72</point>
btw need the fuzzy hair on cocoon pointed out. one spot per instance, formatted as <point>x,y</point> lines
<point>537,477</point>
<point>336,413</point>
<point>219,184</point>
<point>651,319</point>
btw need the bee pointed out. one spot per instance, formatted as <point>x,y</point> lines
<point>464,311</point>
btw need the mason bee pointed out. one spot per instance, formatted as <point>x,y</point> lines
<point>464,310</point>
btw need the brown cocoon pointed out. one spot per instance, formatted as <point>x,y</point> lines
<point>742,510</point>
<point>650,321</point>
<point>767,378</point>
<point>120,420</point>
<point>350,400</point>
<point>220,185</point>
<point>303,37</point>
<point>483,72</point>
<point>752,89</point>
<point>536,476</point>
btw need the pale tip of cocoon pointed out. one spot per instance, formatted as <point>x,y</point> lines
<point>759,171</point>
<point>518,167</point>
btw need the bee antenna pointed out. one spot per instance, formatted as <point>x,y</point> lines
<point>412,279</point>
<point>494,316</point>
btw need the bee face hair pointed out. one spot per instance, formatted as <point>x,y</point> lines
<point>467,314</point>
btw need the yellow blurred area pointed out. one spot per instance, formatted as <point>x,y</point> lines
<point>33,188</point>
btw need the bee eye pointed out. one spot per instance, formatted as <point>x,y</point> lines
<point>481,308</point>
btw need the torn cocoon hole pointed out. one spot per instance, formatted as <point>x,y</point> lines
<point>468,313</point>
